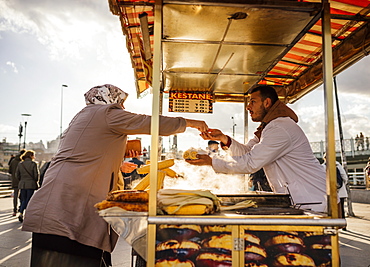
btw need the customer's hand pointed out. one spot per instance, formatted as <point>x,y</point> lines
<point>201,161</point>
<point>128,167</point>
<point>214,134</point>
<point>132,154</point>
<point>200,125</point>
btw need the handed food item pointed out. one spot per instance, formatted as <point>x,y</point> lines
<point>173,262</point>
<point>129,206</point>
<point>134,145</point>
<point>128,196</point>
<point>191,153</point>
<point>293,259</point>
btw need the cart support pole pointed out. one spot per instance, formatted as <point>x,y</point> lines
<point>329,112</point>
<point>342,151</point>
<point>330,133</point>
<point>151,236</point>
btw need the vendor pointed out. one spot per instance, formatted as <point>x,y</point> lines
<point>279,146</point>
<point>67,230</point>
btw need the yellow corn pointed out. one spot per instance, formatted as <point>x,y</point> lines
<point>171,173</point>
<point>196,209</point>
<point>143,184</point>
<point>161,165</point>
<point>160,179</point>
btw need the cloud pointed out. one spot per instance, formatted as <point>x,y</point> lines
<point>66,28</point>
<point>12,65</point>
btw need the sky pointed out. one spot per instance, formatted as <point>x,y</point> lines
<point>47,44</point>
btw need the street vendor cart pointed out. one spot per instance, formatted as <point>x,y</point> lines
<point>201,52</point>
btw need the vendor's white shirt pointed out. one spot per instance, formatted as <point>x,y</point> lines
<point>287,159</point>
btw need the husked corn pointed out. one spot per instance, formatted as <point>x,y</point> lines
<point>196,209</point>
<point>171,173</point>
<point>161,165</point>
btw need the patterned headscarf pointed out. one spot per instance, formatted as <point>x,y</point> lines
<point>105,94</point>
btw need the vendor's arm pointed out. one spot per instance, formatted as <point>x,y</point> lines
<point>275,142</point>
<point>201,161</point>
<point>236,148</point>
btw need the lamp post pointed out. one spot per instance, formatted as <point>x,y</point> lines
<point>234,124</point>
<point>25,128</point>
<point>61,109</point>
<point>20,136</point>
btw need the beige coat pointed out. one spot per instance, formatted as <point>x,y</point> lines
<point>84,170</point>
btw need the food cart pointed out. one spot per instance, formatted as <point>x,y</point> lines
<point>222,49</point>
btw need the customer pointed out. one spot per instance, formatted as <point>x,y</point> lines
<point>12,170</point>
<point>67,230</point>
<point>213,148</point>
<point>28,176</point>
<point>279,146</point>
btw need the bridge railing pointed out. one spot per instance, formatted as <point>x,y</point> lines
<point>356,179</point>
<point>351,147</point>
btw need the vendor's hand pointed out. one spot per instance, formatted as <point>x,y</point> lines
<point>214,134</point>
<point>201,161</point>
<point>132,154</point>
<point>200,125</point>
<point>128,167</point>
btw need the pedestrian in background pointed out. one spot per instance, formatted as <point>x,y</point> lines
<point>12,170</point>
<point>342,191</point>
<point>28,176</point>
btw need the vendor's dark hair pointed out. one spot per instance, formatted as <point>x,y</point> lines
<point>28,154</point>
<point>212,142</point>
<point>266,92</point>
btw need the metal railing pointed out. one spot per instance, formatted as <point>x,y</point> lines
<point>351,147</point>
<point>356,179</point>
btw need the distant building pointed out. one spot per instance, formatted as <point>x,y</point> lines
<point>43,154</point>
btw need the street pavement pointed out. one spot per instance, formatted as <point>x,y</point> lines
<point>15,245</point>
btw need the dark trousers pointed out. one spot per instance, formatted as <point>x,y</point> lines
<point>59,251</point>
<point>26,195</point>
<point>15,199</point>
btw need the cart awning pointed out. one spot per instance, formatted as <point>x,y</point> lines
<point>229,47</point>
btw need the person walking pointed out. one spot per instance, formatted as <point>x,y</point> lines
<point>341,187</point>
<point>28,176</point>
<point>12,170</point>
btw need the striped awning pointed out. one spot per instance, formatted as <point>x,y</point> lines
<point>228,47</point>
